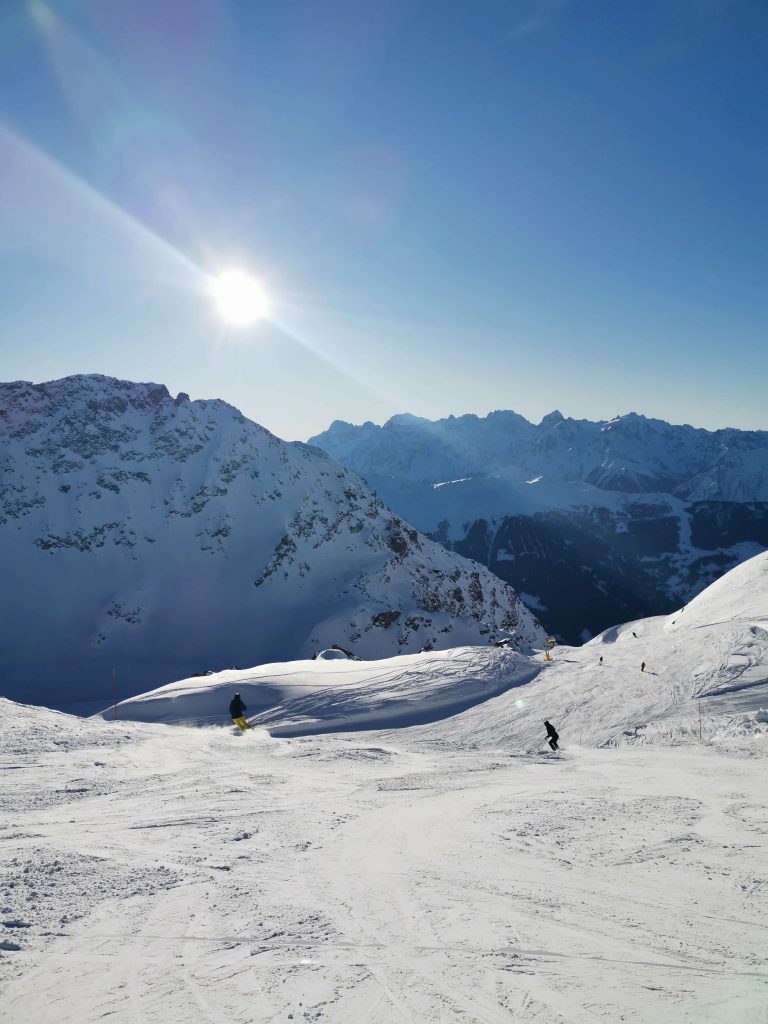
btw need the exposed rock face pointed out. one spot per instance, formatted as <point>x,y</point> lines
<point>165,537</point>
<point>592,523</point>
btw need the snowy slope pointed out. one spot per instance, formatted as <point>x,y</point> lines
<point>716,649</point>
<point>164,537</point>
<point>439,874</point>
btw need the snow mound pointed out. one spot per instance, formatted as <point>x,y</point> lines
<point>26,730</point>
<point>732,733</point>
<point>337,694</point>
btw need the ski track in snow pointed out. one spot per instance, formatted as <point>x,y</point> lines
<point>200,875</point>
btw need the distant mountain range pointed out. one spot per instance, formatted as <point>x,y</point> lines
<point>163,538</point>
<point>592,522</point>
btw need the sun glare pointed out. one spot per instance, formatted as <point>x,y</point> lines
<point>239,298</point>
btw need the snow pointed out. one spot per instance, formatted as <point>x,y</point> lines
<point>629,453</point>
<point>315,696</point>
<point>698,653</point>
<point>670,505</point>
<point>162,537</point>
<point>454,871</point>
<point>195,875</point>
<point>332,654</point>
<point>740,594</point>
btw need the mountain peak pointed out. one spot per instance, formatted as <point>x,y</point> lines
<point>552,419</point>
<point>407,419</point>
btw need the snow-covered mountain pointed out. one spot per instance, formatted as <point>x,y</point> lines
<point>164,537</point>
<point>592,522</point>
<point>630,454</point>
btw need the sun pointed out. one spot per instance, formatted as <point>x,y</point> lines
<point>240,299</point>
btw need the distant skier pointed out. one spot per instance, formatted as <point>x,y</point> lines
<point>552,734</point>
<point>601,659</point>
<point>634,634</point>
<point>642,666</point>
<point>237,709</point>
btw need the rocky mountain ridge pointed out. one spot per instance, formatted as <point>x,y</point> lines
<point>592,522</point>
<point>630,454</point>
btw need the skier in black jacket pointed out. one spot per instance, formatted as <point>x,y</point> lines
<point>237,709</point>
<point>552,734</point>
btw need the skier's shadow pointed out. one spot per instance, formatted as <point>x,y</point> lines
<point>537,756</point>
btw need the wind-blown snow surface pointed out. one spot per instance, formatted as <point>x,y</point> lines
<point>445,873</point>
<point>163,537</point>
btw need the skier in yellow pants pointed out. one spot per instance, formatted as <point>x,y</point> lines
<point>237,709</point>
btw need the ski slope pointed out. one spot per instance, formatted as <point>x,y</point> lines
<point>715,650</point>
<point>181,874</point>
<point>448,872</point>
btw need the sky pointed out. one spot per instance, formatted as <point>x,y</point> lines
<point>453,206</point>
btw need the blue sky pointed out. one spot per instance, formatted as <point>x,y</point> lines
<point>456,207</point>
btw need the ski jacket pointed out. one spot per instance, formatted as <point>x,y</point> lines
<point>236,707</point>
<point>552,731</point>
